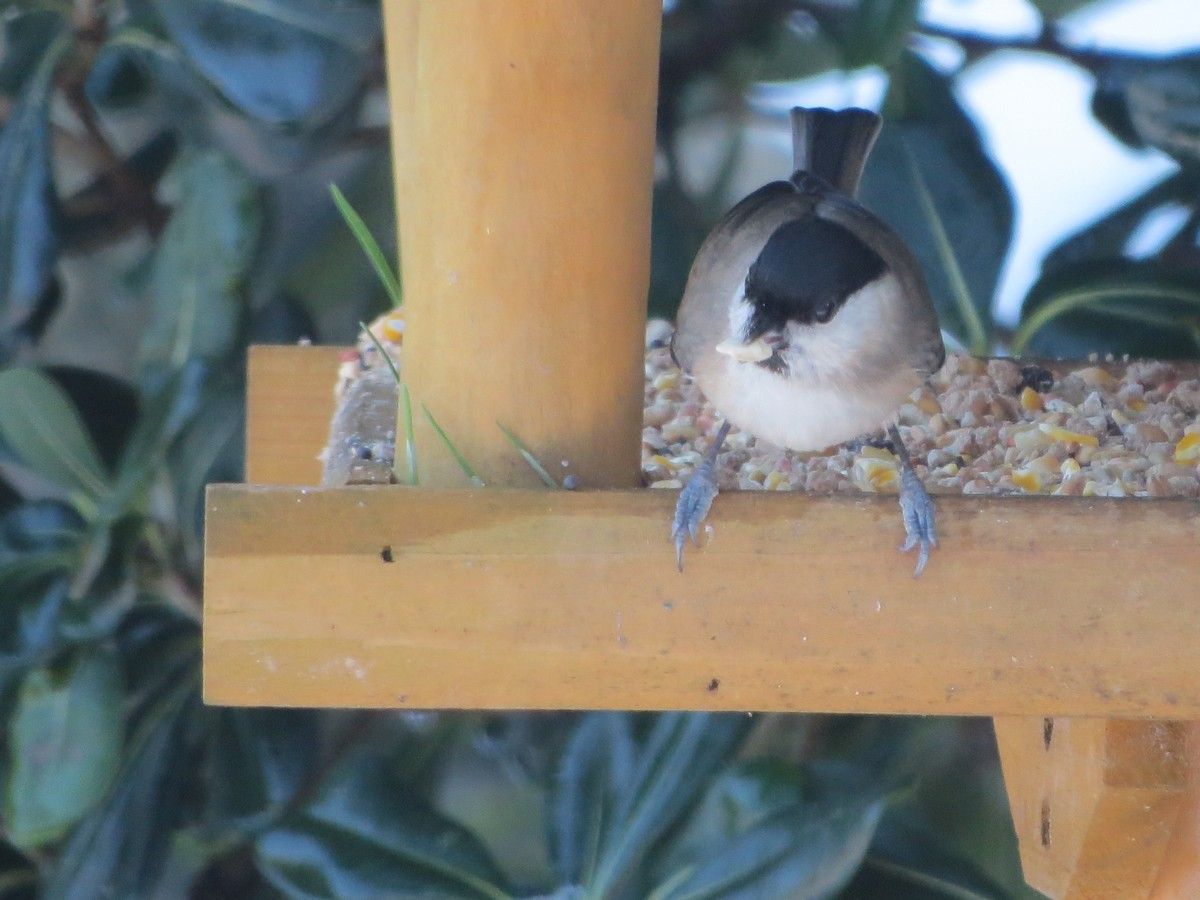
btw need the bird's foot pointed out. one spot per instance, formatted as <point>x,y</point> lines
<point>691,508</point>
<point>920,524</point>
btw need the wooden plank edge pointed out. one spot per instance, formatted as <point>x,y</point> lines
<point>504,599</point>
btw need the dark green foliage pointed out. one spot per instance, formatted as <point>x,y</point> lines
<point>192,216</point>
<point>930,146</point>
<point>29,239</point>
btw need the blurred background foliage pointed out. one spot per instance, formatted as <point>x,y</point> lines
<point>163,203</point>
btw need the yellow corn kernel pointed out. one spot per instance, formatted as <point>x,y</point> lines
<point>871,473</point>
<point>1069,467</point>
<point>392,330</point>
<point>776,481</point>
<point>1031,400</point>
<point>1136,405</point>
<point>1119,417</point>
<point>1068,437</point>
<point>1027,480</point>
<point>666,381</point>
<point>1188,449</point>
<point>928,404</point>
<point>662,462</point>
<point>1094,376</point>
<point>1089,489</point>
<point>877,453</point>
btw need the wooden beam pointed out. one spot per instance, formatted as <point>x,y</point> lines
<point>523,137</point>
<point>1103,809</point>
<point>551,599</point>
<point>289,404</point>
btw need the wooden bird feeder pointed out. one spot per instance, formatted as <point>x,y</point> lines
<point>524,142</point>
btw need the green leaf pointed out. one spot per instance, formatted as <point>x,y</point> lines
<point>119,849</point>
<point>1107,237</point>
<point>368,835</point>
<point>368,244</point>
<point>677,229</point>
<point>201,260</point>
<point>65,748</point>
<point>680,756</point>
<point>1056,9</point>
<point>28,210</point>
<point>27,36</point>
<point>168,402</point>
<point>930,178</point>
<point>209,448</point>
<point>869,32</point>
<point>740,798</point>
<point>1139,308</point>
<point>41,428</point>
<point>260,759</point>
<point>1153,102</point>
<point>909,860</point>
<point>283,62</point>
<point>803,852</point>
<point>595,773</point>
<point>790,54</point>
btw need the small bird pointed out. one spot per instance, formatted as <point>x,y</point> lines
<point>806,320</point>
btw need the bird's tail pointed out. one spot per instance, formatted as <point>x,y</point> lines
<point>833,144</point>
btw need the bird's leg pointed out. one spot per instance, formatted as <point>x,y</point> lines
<point>915,506</point>
<point>696,498</point>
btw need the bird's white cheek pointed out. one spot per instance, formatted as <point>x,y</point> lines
<point>859,340</point>
<point>740,313</point>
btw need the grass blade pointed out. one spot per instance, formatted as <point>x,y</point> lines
<point>537,467</point>
<point>367,242</point>
<point>1093,296</point>
<point>410,446</point>
<point>387,357</point>
<point>977,338</point>
<point>471,474</point>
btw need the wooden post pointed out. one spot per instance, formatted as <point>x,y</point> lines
<point>524,150</point>
<point>1104,809</point>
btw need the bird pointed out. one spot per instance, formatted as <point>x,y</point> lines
<point>806,320</point>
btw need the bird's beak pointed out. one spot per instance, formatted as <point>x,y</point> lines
<point>755,351</point>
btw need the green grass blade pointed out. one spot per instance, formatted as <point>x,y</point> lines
<point>977,338</point>
<point>369,246</point>
<point>387,357</point>
<point>529,458</point>
<point>410,446</point>
<point>1084,297</point>
<point>471,474</point>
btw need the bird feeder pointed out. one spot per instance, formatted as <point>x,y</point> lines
<point>523,141</point>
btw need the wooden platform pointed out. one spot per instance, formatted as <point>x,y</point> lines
<point>1034,606</point>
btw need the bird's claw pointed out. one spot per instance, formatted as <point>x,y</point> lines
<point>920,523</point>
<point>694,502</point>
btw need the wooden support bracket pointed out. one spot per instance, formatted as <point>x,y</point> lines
<point>1104,808</point>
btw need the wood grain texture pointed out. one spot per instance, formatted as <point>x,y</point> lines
<point>523,139</point>
<point>1102,808</point>
<point>538,599</point>
<point>289,404</point>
